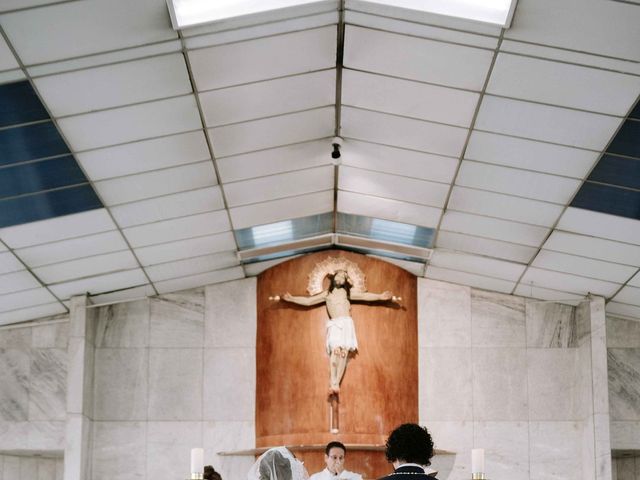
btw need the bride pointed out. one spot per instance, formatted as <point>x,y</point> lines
<point>277,464</point>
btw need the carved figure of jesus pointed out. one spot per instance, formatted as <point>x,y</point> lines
<point>341,341</point>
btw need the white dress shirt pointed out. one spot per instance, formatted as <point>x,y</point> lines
<point>327,475</point>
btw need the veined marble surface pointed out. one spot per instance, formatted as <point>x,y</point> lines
<point>177,319</point>
<point>230,315</point>
<point>444,314</point>
<point>14,380</point>
<point>229,436</point>
<point>555,450</point>
<point>506,446</point>
<point>48,385</point>
<point>50,335</point>
<point>119,451</point>
<point>455,437</point>
<point>624,383</point>
<point>123,325</point>
<point>497,320</point>
<point>551,325</point>
<point>169,447</point>
<point>623,333</point>
<point>15,337</point>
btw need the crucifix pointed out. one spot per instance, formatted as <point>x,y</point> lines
<point>346,284</point>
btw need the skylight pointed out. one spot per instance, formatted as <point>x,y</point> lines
<point>188,13</point>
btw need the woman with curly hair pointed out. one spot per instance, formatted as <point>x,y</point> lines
<point>409,448</point>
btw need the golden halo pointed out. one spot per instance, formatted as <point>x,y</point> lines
<point>331,265</point>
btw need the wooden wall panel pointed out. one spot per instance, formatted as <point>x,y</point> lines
<point>380,388</point>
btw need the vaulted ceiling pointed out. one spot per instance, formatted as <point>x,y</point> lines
<point>137,160</point>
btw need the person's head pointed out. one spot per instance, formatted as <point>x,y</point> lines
<point>340,279</point>
<point>410,443</point>
<point>334,454</point>
<point>210,473</point>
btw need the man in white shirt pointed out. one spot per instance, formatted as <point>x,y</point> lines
<point>334,454</point>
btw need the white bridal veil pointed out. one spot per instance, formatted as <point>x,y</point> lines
<point>277,464</point>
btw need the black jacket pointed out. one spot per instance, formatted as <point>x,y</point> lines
<point>408,472</point>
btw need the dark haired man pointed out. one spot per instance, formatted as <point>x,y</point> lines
<point>334,454</point>
<point>409,449</point>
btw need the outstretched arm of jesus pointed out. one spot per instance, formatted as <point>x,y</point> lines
<point>306,301</point>
<point>371,297</point>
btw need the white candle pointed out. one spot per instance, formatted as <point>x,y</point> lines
<point>477,460</point>
<point>197,460</point>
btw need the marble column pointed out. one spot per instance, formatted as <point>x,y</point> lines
<point>593,344</point>
<point>81,350</point>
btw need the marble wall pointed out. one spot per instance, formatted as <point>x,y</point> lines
<point>623,355</point>
<point>13,467</point>
<point>185,366</point>
<point>33,378</point>
<point>505,374</point>
<point>162,375</point>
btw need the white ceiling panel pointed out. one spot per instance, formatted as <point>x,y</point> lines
<point>538,277</point>
<point>548,294</point>
<point>168,252</point>
<point>598,224</point>
<point>586,267</point>
<point>192,266</point>
<point>273,132</point>
<point>203,279</point>
<point>562,84</point>
<point>17,281</point>
<point>396,187</point>
<point>430,31</point>
<point>11,76</point>
<point>278,186</point>
<point>485,246</point>
<point>144,156</point>
<point>127,124</point>
<point>275,160</point>
<point>168,206</point>
<point>504,206</point>
<point>497,229</point>
<point>546,123</point>
<point>635,281</point>
<point>59,228</point>
<point>622,309</point>
<point>592,247</point>
<point>114,85</point>
<point>264,58</point>
<point>605,28</point>
<point>398,161</point>
<point>8,5</point>
<point>25,298</point>
<point>283,209</point>
<point>408,98</point>
<point>403,132</point>
<point>65,250</point>
<point>471,279</point>
<point>123,295</point>
<point>72,29</point>
<point>539,186</point>
<point>7,60</point>
<point>131,188</point>
<point>530,155</point>
<point>100,283</point>
<point>416,58</point>
<point>628,295</point>
<point>9,263</point>
<point>178,229</point>
<point>476,264</point>
<point>31,313</point>
<point>85,267</point>
<point>269,98</point>
<point>388,209</point>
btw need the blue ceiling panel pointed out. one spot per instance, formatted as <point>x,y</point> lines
<point>34,177</point>
<point>385,230</point>
<point>627,140</point>
<point>20,104</point>
<point>624,172</point>
<point>635,113</point>
<point>30,208</point>
<point>31,142</point>
<point>285,231</point>
<point>606,199</point>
